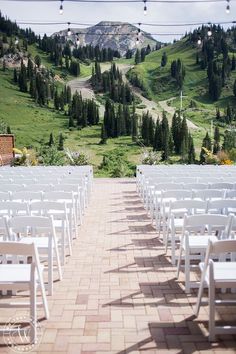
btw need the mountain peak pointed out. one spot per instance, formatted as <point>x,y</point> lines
<point>116,35</point>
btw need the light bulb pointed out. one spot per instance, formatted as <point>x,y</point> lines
<point>68,31</point>
<point>145,10</point>
<point>77,41</point>
<point>16,41</point>
<point>137,41</point>
<point>139,32</point>
<point>209,33</point>
<point>199,41</point>
<point>227,9</point>
<point>61,10</point>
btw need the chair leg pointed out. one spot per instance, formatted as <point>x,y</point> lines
<point>187,271</point>
<point>211,312</point>
<point>199,296</point>
<point>57,260</point>
<point>180,256</point>
<point>33,311</point>
<point>173,247</point>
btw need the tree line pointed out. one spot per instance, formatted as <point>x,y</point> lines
<point>110,82</point>
<point>168,140</point>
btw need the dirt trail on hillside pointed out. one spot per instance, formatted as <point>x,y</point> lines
<point>83,85</point>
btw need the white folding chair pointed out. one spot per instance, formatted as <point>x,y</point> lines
<point>26,196</point>
<point>197,230</point>
<point>5,196</point>
<point>21,277</point>
<point>11,187</point>
<point>41,231</point>
<point>221,185</point>
<point>217,275</point>
<point>4,232</point>
<point>61,222</point>
<point>175,221</point>
<point>39,187</point>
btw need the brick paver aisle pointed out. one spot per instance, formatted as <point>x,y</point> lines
<point>119,293</point>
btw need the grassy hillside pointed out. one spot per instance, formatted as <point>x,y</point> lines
<point>33,124</point>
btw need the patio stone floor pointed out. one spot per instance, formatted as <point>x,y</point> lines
<point>119,293</point>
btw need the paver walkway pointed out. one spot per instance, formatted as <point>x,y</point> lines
<point>119,293</point>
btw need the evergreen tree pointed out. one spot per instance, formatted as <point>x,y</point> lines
<point>15,77</point>
<point>184,140</point>
<point>157,144</point>
<point>233,63</point>
<point>22,79</point>
<point>176,132</point>
<point>234,89</point>
<point>56,101</point>
<point>206,143</point>
<point>165,137</point>
<point>37,60</point>
<point>71,122</point>
<point>216,145</point>
<point>215,87</point>
<point>164,59</point>
<point>191,150</point>
<point>9,130</point>
<point>134,124</point>
<point>61,142</point>
<point>51,140</point>
<point>103,135</point>
<point>137,58</point>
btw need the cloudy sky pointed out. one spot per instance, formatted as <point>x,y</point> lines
<point>25,11</point>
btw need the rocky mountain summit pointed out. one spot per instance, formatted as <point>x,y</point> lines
<point>115,35</point>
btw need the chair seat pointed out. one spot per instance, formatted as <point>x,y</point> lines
<point>178,223</point>
<point>40,242</point>
<point>16,273</point>
<point>224,273</point>
<point>200,242</point>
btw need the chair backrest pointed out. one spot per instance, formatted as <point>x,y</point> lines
<point>31,226</point>
<point>66,187</point>
<point>26,196</point>
<point>221,246</point>
<point>46,208</point>
<point>11,208</point>
<point>222,206</point>
<point>38,187</point>
<point>11,187</point>
<point>5,196</point>
<point>176,194</point>
<point>221,185</point>
<point>196,186</point>
<point>231,194</point>
<point>188,206</point>
<point>208,223</point>
<point>207,194</point>
<point>169,186</point>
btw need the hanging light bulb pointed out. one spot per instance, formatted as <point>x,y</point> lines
<point>77,39</point>
<point>16,41</point>
<point>145,7</point>
<point>137,41</point>
<point>227,7</point>
<point>61,7</point>
<point>139,32</point>
<point>199,41</point>
<point>209,32</point>
<point>69,30</point>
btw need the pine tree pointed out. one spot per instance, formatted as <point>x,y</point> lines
<point>191,150</point>
<point>137,58</point>
<point>234,89</point>
<point>37,60</point>
<point>51,140</point>
<point>71,122</point>
<point>103,135</point>
<point>61,142</point>
<point>206,143</point>
<point>22,79</point>
<point>157,144</point>
<point>15,77</point>
<point>164,59</point>
<point>165,137</point>
<point>176,132</point>
<point>134,124</point>
<point>4,65</point>
<point>184,140</point>
<point>9,130</point>
<point>216,145</point>
<point>56,101</point>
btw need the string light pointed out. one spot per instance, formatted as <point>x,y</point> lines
<point>69,30</point>
<point>77,39</point>
<point>16,41</point>
<point>145,7</point>
<point>209,31</point>
<point>199,41</point>
<point>61,7</point>
<point>139,30</point>
<point>227,7</point>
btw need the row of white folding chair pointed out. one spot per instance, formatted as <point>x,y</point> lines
<point>220,274</point>
<point>165,196</point>
<point>16,276</point>
<point>198,229</point>
<point>68,198</point>
<point>68,185</point>
<point>177,209</point>
<point>58,210</point>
